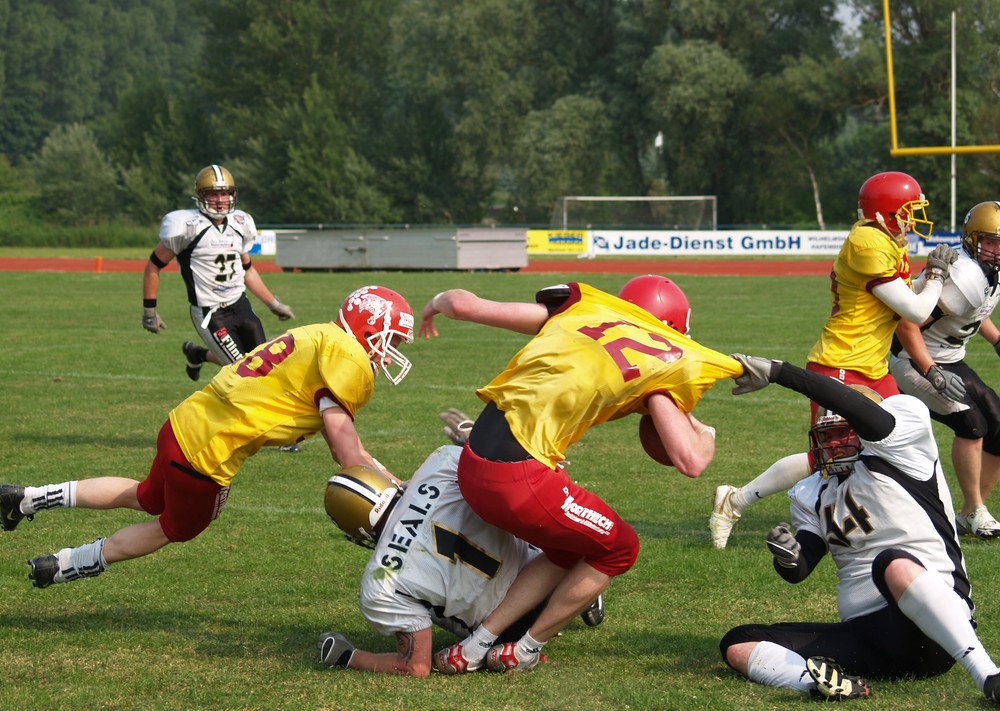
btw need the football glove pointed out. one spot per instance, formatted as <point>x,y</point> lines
<point>335,650</point>
<point>457,425</point>
<point>939,262</point>
<point>282,311</point>
<point>151,320</point>
<point>948,384</point>
<point>756,374</point>
<point>783,545</point>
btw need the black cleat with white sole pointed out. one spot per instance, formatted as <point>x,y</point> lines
<point>43,570</point>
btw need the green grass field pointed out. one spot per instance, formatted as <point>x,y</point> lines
<point>230,620</point>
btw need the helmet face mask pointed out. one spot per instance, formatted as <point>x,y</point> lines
<point>358,500</point>
<point>380,320</point>
<point>215,192</point>
<point>662,298</point>
<point>895,201</point>
<point>833,445</point>
<point>981,234</point>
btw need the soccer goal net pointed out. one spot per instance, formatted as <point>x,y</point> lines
<point>695,212</point>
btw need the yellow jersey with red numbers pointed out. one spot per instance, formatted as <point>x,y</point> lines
<point>598,358</point>
<point>858,333</point>
<point>271,397</point>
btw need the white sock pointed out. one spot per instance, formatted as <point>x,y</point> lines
<point>86,561</point>
<point>944,617</point>
<point>780,476</point>
<point>476,645</point>
<point>528,646</point>
<point>49,496</point>
<point>773,665</point>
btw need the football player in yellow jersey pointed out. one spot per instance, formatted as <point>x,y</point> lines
<point>310,379</point>
<point>870,291</point>
<point>593,357</point>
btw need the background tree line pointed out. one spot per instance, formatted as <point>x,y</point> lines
<point>434,111</point>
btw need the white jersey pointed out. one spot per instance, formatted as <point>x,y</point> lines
<point>966,301</point>
<point>897,497</point>
<point>209,256</point>
<point>437,562</point>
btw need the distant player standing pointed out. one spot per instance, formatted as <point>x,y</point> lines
<point>212,246</point>
<point>870,291</point>
<point>938,344</point>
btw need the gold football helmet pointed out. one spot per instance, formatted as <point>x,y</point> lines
<point>215,179</point>
<point>834,446</point>
<point>358,499</point>
<point>983,221</point>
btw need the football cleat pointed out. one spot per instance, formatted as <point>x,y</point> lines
<point>10,506</point>
<point>979,523</point>
<point>724,515</point>
<point>594,615</point>
<point>451,660</point>
<point>505,658</point>
<point>991,688</point>
<point>43,570</point>
<point>195,356</point>
<point>832,684</point>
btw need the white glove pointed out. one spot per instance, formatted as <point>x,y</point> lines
<point>756,374</point>
<point>282,311</point>
<point>948,384</point>
<point>335,650</point>
<point>151,320</point>
<point>783,545</point>
<point>939,261</point>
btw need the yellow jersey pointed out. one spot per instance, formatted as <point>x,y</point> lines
<point>271,397</point>
<point>858,333</point>
<point>597,358</point>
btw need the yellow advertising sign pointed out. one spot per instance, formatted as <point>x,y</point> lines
<point>557,241</point>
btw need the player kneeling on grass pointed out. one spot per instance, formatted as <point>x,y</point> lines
<point>435,562</point>
<point>311,379</point>
<point>881,507</point>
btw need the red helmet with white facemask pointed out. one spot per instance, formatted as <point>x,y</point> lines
<point>379,318</point>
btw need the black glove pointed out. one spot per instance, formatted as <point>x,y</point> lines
<point>335,650</point>
<point>756,374</point>
<point>783,545</point>
<point>151,320</point>
<point>939,261</point>
<point>946,383</point>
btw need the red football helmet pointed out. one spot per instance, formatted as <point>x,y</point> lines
<point>660,297</point>
<point>379,318</point>
<point>896,202</point>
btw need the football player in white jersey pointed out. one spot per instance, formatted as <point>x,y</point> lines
<point>435,562</point>
<point>880,506</point>
<point>212,246</point>
<point>936,350</point>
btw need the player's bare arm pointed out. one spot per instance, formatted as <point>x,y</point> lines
<point>689,443</point>
<point>462,305</point>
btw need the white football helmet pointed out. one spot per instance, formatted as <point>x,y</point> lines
<point>379,318</point>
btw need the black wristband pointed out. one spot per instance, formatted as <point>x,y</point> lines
<point>149,303</point>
